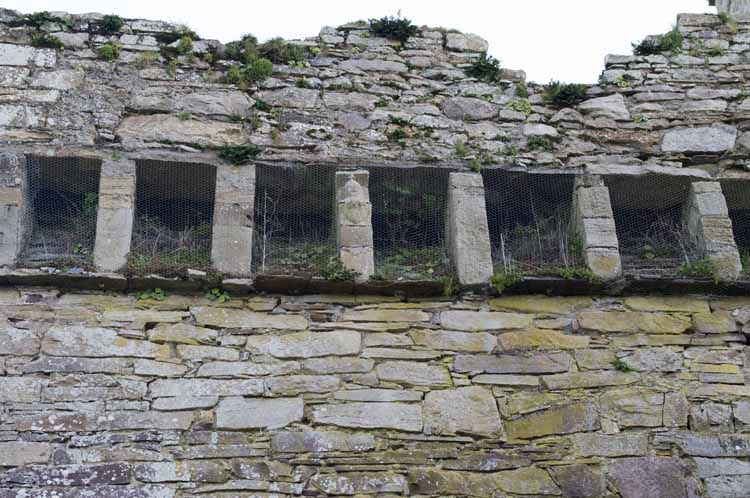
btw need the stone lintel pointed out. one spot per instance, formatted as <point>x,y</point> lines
<point>354,223</point>
<point>114,222</point>
<point>233,225</point>
<point>706,217</point>
<point>467,230</point>
<point>594,225</point>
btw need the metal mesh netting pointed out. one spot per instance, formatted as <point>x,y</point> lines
<point>737,194</point>
<point>648,213</point>
<point>408,222</point>
<point>529,220</point>
<point>294,217</point>
<point>62,194</point>
<point>174,206</point>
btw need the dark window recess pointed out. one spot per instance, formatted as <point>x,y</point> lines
<point>62,196</point>
<point>408,222</point>
<point>294,220</point>
<point>529,220</point>
<point>648,213</point>
<point>174,207</point>
<point>737,194</point>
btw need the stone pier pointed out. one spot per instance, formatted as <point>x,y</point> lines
<point>354,223</point>
<point>13,221</point>
<point>706,217</point>
<point>593,224</point>
<point>234,205</point>
<point>466,229</point>
<point>114,223</point>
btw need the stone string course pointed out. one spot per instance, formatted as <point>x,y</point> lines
<point>275,396</point>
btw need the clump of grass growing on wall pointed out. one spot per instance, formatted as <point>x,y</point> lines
<point>540,143</point>
<point>239,154</point>
<point>109,51</point>
<point>485,68</point>
<point>653,45</point>
<point>503,280</point>
<point>110,24</point>
<point>699,268</point>
<point>185,45</point>
<point>44,40</point>
<point>564,94</point>
<point>279,51</point>
<point>39,19</point>
<point>253,71</point>
<point>621,366</point>
<point>393,28</point>
<point>729,22</point>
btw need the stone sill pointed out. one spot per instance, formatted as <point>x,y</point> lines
<point>291,285</point>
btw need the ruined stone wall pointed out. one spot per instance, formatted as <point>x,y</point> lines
<point>276,396</point>
<point>331,394</point>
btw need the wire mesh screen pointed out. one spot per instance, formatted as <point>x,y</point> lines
<point>174,206</point>
<point>737,194</point>
<point>62,194</point>
<point>294,216</point>
<point>648,213</point>
<point>408,222</point>
<point>529,220</point>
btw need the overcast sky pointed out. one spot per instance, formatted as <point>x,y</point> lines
<point>561,39</point>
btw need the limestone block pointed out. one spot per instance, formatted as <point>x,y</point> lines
<point>611,106</point>
<point>232,236</point>
<point>398,416</point>
<point>599,232</point>
<point>114,223</point>
<point>739,8</point>
<point>465,42</point>
<point>467,230</point>
<point>467,108</point>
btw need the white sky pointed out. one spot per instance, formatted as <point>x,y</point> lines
<point>561,39</point>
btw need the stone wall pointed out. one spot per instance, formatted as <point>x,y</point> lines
<point>277,396</point>
<point>363,101</point>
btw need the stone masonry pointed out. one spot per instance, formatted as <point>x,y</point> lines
<point>278,396</point>
<point>329,388</point>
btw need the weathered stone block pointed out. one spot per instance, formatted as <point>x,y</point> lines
<point>567,419</point>
<point>243,319</point>
<point>321,442</point>
<point>473,321</point>
<point>413,373</point>
<point>398,416</point>
<point>652,476</point>
<point>232,237</point>
<point>20,453</point>
<point>357,483</point>
<point>114,224</point>
<point>467,231</point>
<point>307,344</point>
<point>258,413</point>
<point>467,410</point>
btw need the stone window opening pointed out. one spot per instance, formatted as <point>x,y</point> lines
<point>737,194</point>
<point>172,227</point>
<point>409,222</point>
<point>649,220</point>
<point>294,221</point>
<point>528,215</point>
<point>61,198</point>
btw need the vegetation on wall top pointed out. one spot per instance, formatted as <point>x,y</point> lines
<point>393,28</point>
<point>654,45</point>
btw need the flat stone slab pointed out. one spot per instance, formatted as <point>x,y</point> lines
<point>258,413</point>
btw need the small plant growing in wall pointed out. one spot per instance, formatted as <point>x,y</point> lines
<point>217,294</point>
<point>393,28</point>
<point>523,106</point>
<point>239,154</point>
<point>109,51</point>
<point>503,280</point>
<point>45,40</point>
<point>185,45</point>
<point>564,94</point>
<point>39,19</point>
<point>670,42</point>
<point>485,68</point>
<point>156,294</point>
<point>699,268</point>
<point>621,366</point>
<point>110,24</point>
<point>540,143</point>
